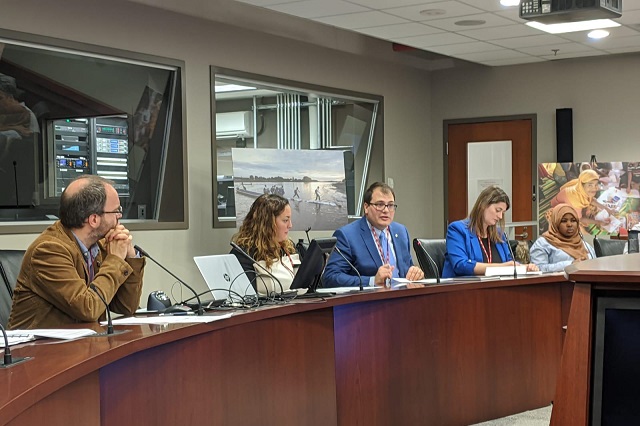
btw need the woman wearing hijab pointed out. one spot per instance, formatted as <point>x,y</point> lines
<point>562,244</point>
<point>581,193</point>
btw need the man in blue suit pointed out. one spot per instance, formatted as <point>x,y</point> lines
<point>376,246</point>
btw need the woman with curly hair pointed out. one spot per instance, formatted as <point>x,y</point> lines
<point>264,234</point>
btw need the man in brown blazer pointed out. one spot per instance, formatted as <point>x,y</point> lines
<point>86,246</point>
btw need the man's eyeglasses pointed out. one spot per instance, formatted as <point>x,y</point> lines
<point>116,211</point>
<point>381,206</point>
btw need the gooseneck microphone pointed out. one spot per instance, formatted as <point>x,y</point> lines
<point>350,264</point>
<point>200,311</point>
<point>255,262</point>
<point>8,359</point>
<point>110,330</point>
<point>515,269</point>
<point>432,263</point>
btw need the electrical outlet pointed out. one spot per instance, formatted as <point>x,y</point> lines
<point>142,211</point>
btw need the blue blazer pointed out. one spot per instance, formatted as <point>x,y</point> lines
<point>356,243</point>
<point>463,250</point>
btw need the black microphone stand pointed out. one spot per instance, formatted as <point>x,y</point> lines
<point>351,265</point>
<point>515,269</point>
<point>200,311</point>
<point>8,359</point>
<point>432,262</point>
<point>110,330</point>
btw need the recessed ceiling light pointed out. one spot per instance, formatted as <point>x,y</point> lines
<point>570,27</point>
<point>470,22</point>
<point>598,34</point>
<point>433,12</point>
<point>510,2</point>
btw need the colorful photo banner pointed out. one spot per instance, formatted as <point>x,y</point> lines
<point>605,195</point>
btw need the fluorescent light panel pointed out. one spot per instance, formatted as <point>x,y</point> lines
<point>570,27</point>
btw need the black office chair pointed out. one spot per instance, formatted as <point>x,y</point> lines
<point>436,248</point>
<point>606,247</point>
<point>10,264</point>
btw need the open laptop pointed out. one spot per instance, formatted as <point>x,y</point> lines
<point>223,273</point>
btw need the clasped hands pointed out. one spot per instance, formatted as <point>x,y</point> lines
<point>119,242</point>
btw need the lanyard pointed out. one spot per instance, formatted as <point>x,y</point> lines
<point>385,260</point>
<point>487,255</point>
<point>285,266</point>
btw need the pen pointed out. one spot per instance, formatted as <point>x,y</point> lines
<point>172,314</point>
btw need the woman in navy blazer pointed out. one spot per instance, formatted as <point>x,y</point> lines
<point>478,241</point>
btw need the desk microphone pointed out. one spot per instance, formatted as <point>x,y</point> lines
<point>432,263</point>
<point>255,262</point>
<point>8,359</point>
<point>110,330</point>
<point>515,270</point>
<point>200,311</point>
<point>337,250</point>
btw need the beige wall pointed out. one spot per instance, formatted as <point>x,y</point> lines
<point>200,43</point>
<point>603,92</point>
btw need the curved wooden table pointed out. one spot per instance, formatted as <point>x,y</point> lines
<point>451,354</point>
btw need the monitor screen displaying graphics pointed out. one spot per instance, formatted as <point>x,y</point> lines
<point>312,266</point>
<point>225,277</point>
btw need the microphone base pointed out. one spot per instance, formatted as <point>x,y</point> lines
<point>16,360</point>
<point>105,334</point>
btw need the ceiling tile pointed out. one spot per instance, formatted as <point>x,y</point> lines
<point>462,48</point>
<point>362,20</point>
<point>449,24</point>
<point>394,32</point>
<point>489,5</point>
<point>318,8</point>
<point>570,55</point>
<point>562,48</point>
<point>439,39</point>
<point>617,42</point>
<point>581,36</point>
<point>266,2</point>
<point>513,61</point>
<point>387,4</point>
<point>539,40</point>
<point>451,8</point>
<point>493,55</point>
<point>496,33</point>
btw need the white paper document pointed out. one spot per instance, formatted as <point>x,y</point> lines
<point>344,290</point>
<point>399,282</point>
<point>169,319</point>
<point>21,336</point>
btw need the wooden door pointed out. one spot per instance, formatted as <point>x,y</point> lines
<point>520,132</point>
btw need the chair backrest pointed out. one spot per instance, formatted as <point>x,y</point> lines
<point>436,249</point>
<point>606,247</point>
<point>10,264</point>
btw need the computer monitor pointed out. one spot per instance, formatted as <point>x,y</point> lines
<point>312,266</point>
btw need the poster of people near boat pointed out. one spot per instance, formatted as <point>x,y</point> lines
<point>312,180</point>
<point>606,196</point>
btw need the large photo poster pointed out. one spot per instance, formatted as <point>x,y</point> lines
<point>605,195</point>
<point>312,180</point>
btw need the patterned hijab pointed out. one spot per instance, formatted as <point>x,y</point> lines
<point>574,245</point>
<point>575,192</point>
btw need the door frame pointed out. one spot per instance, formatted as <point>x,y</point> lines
<point>477,120</point>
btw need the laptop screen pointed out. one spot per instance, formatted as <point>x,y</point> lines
<point>225,277</point>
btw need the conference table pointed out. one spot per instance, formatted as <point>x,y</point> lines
<point>448,354</point>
